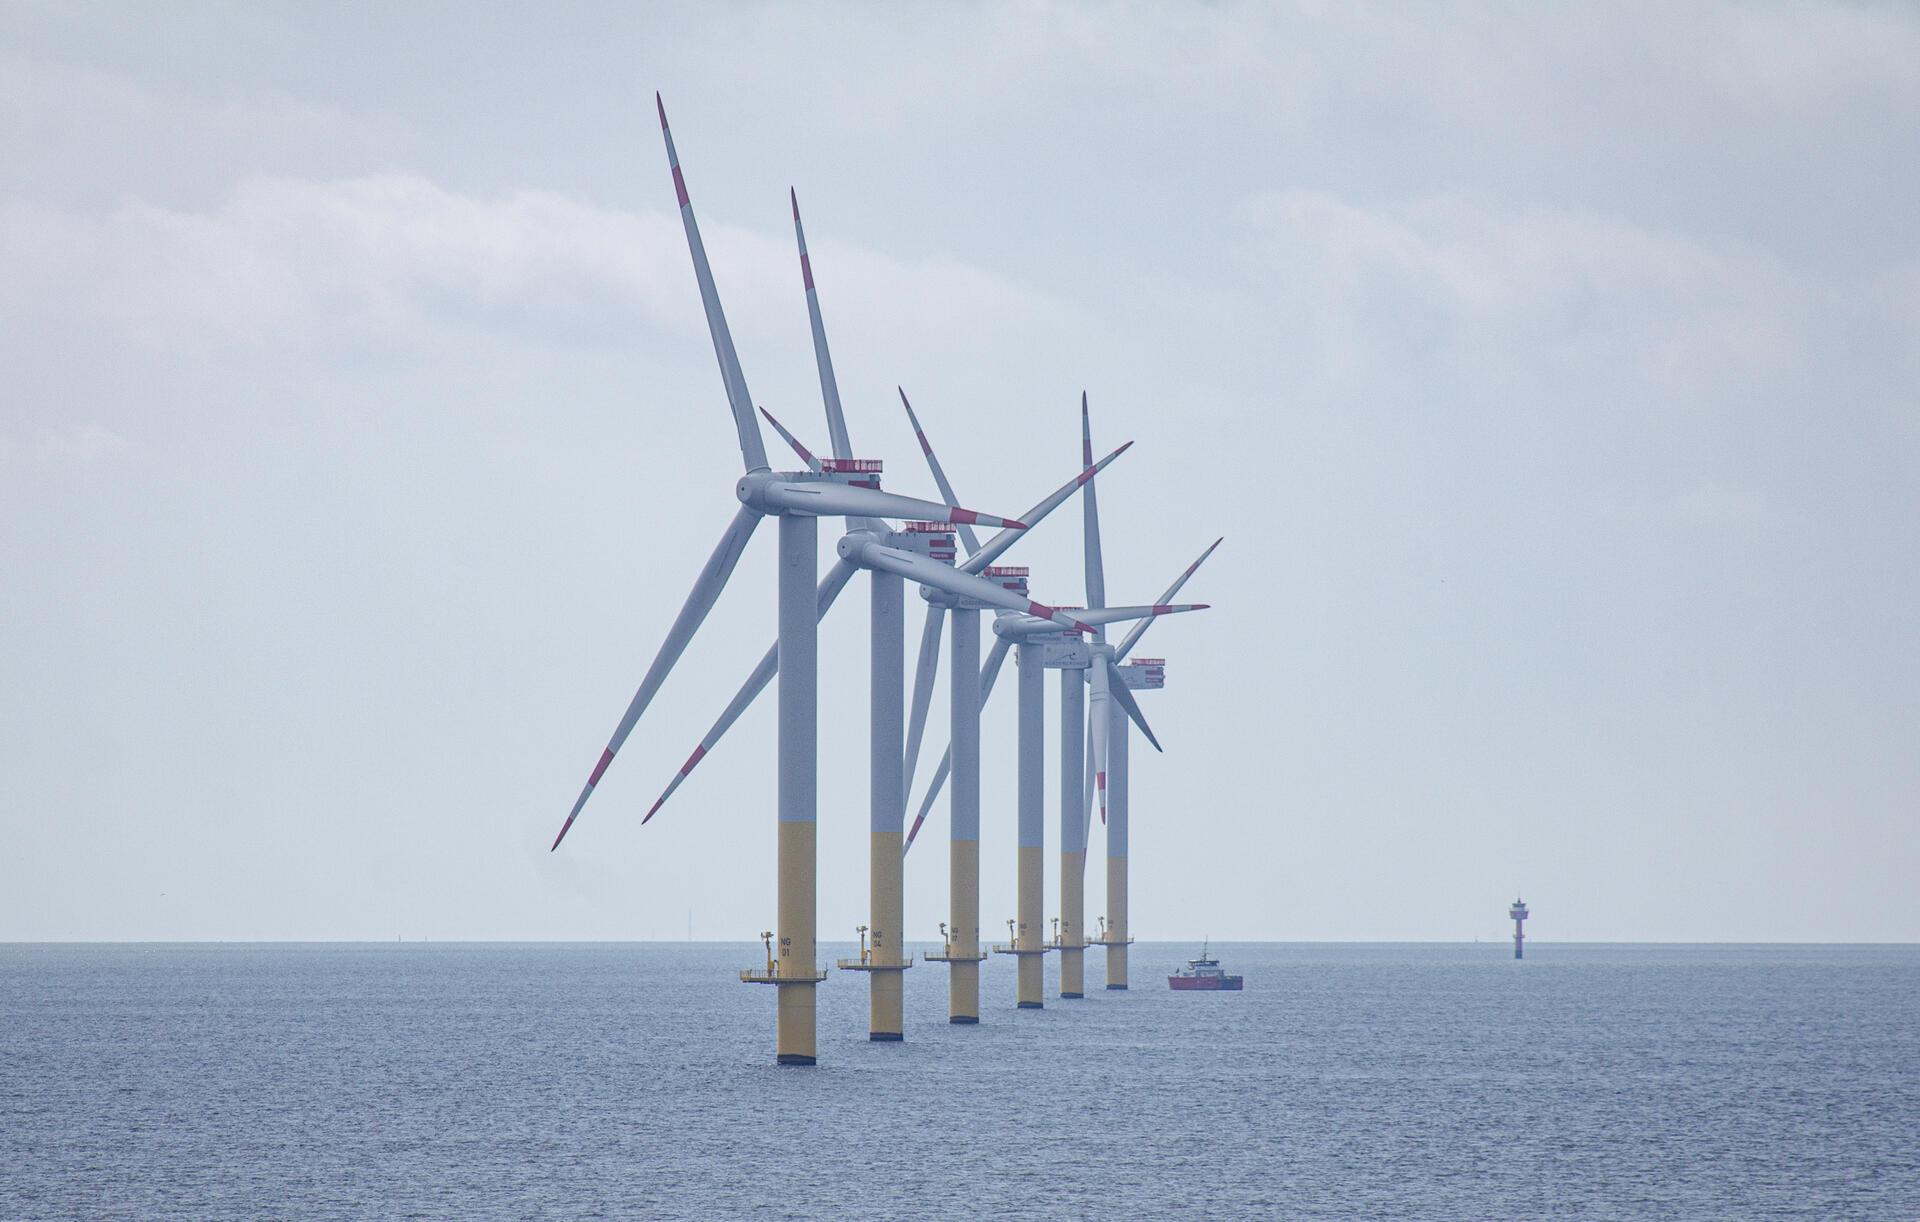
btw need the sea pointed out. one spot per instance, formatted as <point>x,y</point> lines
<point>1424,1081</point>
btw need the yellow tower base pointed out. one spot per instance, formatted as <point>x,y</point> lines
<point>1071,941</point>
<point>962,953</point>
<point>886,1006</point>
<point>1115,937</point>
<point>1027,943</point>
<point>793,969</point>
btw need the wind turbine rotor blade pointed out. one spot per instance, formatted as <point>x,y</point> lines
<point>919,569</point>
<point>752,451</point>
<point>823,499</point>
<point>989,671</point>
<point>829,589</point>
<point>1086,789</point>
<point>1124,697</point>
<point>1139,630</point>
<point>1006,539</point>
<point>823,359</point>
<point>700,600</point>
<point>926,803</point>
<point>1099,711</point>
<point>1096,568</point>
<point>967,536</point>
<point>1115,615</point>
<point>923,673</point>
<point>1016,626</point>
<point>806,455</point>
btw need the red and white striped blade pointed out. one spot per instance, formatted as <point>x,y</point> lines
<point>829,589</point>
<point>806,455</point>
<point>1139,630</point>
<point>921,570</point>
<point>822,358</point>
<point>752,450</point>
<point>1115,615</point>
<point>700,600</point>
<point>1058,497</point>
<point>967,536</point>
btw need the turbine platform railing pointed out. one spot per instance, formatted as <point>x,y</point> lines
<point>948,954</point>
<point>1013,947</point>
<point>1107,938</point>
<point>867,963</point>
<point>772,974</point>
<point>1059,942</point>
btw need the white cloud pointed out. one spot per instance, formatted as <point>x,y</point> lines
<point>289,264</point>
<point>159,143</point>
<point>1455,280</point>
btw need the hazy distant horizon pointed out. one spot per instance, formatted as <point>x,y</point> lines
<point>749,943</point>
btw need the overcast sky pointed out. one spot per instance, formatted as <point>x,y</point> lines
<point>1550,371</point>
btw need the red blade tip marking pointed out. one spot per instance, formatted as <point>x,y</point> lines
<point>680,186</point>
<point>806,270</point>
<point>795,200</point>
<point>599,769</point>
<point>662,108</point>
<point>657,804</point>
<point>563,833</point>
<point>698,753</point>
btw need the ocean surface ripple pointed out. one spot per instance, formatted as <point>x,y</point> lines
<point>636,1080</point>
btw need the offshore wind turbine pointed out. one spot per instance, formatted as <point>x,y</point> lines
<point>923,551</point>
<point>961,932</point>
<point>936,542</point>
<point>797,500</point>
<point>1108,732</point>
<point>1041,646</point>
<point>1048,648</point>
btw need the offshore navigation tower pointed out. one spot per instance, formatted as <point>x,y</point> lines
<point>1519,914</point>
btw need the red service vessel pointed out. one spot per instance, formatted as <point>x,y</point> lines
<point>1204,974</point>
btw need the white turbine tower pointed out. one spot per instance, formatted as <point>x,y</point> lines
<point>797,499</point>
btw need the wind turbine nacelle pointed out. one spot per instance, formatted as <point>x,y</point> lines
<point>761,490</point>
<point>1067,651</point>
<point>934,540</point>
<point>1144,674</point>
<point>1013,577</point>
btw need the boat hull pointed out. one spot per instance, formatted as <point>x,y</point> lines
<point>1205,984</point>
